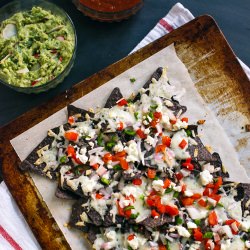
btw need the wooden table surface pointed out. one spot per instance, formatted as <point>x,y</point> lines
<point>100,44</point>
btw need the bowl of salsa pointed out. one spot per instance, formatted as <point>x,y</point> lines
<point>108,10</point>
<point>37,45</point>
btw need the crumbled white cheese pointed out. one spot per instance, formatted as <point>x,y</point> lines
<point>118,147</point>
<point>157,185</point>
<point>245,225</point>
<point>188,193</point>
<point>150,140</point>
<point>147,131</point>
<point>84,217</point>
<point>132,152</point>
<point>190,224</point>
<point>205,177</point>
<point>247,243</point>
<point>134,243</point>
<point>82,155</point>
<point>182,231</point>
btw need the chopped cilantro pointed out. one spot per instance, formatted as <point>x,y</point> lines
<point>154,107</point>
<point>176,194</point>
<point>128,208</point>
<point>178,220</point>
<point>188,132</point>
<point>110,145</point>
<point>136,115</point>
<point>197,222</point>
<point>117,167</point>
<point>142,197</point>
<point>132,80</point>
<point>156,178</point>
<point>100,141</point>
<point>134,216</point>
<point>168,190</point>
<point>220,204</point>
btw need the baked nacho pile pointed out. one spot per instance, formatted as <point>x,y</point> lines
<point>141,176</point>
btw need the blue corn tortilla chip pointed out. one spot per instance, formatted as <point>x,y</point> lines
<point>115,96</point>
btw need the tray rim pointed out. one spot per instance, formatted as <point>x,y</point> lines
<point>12,129</point>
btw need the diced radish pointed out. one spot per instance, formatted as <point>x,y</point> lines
<point>101,171</point>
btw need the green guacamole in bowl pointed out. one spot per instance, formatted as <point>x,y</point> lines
<point>36,46</point>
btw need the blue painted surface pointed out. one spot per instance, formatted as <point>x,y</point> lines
<point>100,44</point>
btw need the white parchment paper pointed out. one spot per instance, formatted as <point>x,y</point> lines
<point>213,134</point>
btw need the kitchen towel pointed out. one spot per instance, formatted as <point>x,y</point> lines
<point>14,231</point>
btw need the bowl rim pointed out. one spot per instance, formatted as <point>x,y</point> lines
<point>36,88</point>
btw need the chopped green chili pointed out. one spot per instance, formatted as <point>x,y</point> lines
<point>128,208</point>
<point>129,132</point>
<point>63,159</point>
<point>208,235</point>
<point>105,181</point>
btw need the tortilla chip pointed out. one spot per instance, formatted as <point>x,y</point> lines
<point>114,97</point>
<point>72,111</point>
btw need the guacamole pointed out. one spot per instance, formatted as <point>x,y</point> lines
<point>35,47</point>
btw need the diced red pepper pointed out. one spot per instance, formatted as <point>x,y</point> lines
<point>124,164</point>
<point>95,166</point>
<point>71,135</point>
<point>120,126</point>
<point>99,196</point>
<point>107,157</point>
<point>178,176</point>
<point>183,188</point>
<point>207,246</point>
<point>160,148</point>
<point>166,140</point>
<point>171,210</point>
<point>137,182</point>
<point>120,209</point>
<point>184,119</point>
<point>188,165</point>
<point>122,102</point>
<point>217,247</point>
<point>60,59</point>
<point>215,197</point>
<point>70,151</point>
<point>212,219</point>
<point>187,201</point>
<point>230,222</point>
<point>198,236</point>
<point>71,120</point>
<point>130,237</point>
<point>154,213</point>
<point>196,196</point>
<point>183,144</point>
<point>210,185</point>
<point>141,134</point>
<point>119,155</point>
<point>162,247</point>
<point>207,191</point>
<point>154,122</point>
<point>157,115</point>
<point>151,173</point>
<point>167,183</point>
<point>202,203</point>
<point>173,121</point>
<point>128,213</point>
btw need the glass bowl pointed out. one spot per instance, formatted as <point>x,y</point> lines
<point>23,5</point>
<point>108,10</point>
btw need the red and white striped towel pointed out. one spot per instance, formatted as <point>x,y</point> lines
<point>14,231</point>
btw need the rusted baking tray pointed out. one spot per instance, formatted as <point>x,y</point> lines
<point>194,40</point>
